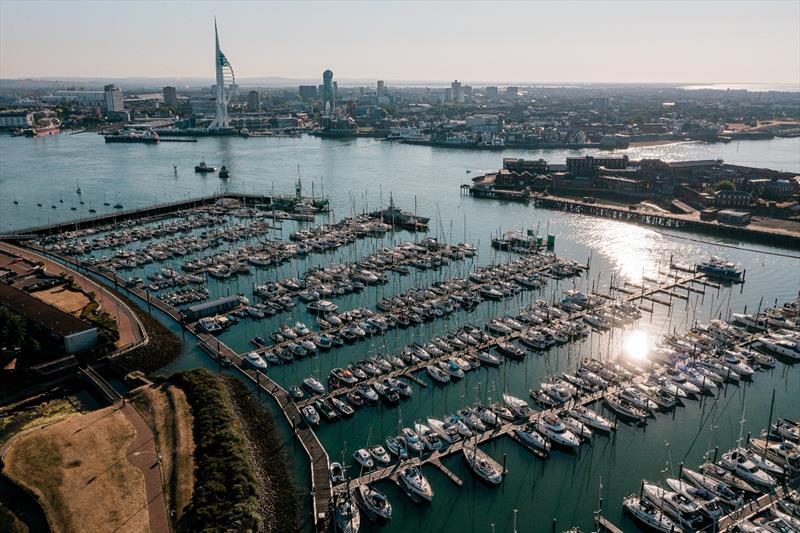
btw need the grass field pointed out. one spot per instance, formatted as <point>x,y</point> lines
<point>166,407</point>
<point>79,470</point>
<point>37,410</point>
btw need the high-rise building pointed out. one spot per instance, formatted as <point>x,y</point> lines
<point>113,99</point>
<point>491,93</point>
<point>224,70</point>
<point>512,92</point>
<point>254,101</point>
<point>170,97</point>
<point>327,92</point>
<point>455,88</point>
<point>381,87</point>
<point>308,92</point>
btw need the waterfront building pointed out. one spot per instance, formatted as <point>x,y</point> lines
<point>732,198</point>
<point>485,123</point>
<point>16,119</point>
<point>112,96</point>
<point>223,96</point>
<point>308,92</point>
<point>170,97</point>
<point>534,166</point>
<point>254,101</point>
<point>328,99</point>
<point>589,164</point>
<point>59,329</point>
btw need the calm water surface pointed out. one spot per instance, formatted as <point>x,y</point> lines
<point>359,174</point>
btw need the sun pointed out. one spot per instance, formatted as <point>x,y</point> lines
<point>636,345</point>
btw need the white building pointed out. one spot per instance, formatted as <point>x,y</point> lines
<point>112,97</point>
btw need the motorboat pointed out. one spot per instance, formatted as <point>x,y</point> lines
<point>511,351</point>
<point>416,483</point>
<point>591,419</point>
<point>483,465</point>
<point>323,408</point>
<point>742,467</point>
<point>379,454</point>
<point>344,376</point>
<point>346,515</point>
<point>451,368</point>
<point>413,441</point>
<point>682,510</point>
<point>707,502</point>
<point>363,458</point>
<point>486,415</point>
<point>531,438</point>
<point>374,502</point>
<point>518,407</point>
<point>310,414</point>
<point>314,385</point>
<point>718,488</point>
<point>447,432</point>
<point>648,514</point>
<point>552,427</point>
<point>337,473</point>
<point>255,361</point>
<point>341,406</point>
<point>429,437</point>
<point>438,374</point>
<point>487,358</point>
<point>716,471</point>
<point>397,446</point>
<point>625,409</point>
<point>577,428</point>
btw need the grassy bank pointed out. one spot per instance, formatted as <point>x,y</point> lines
<point>164,346</point>
<point>225,495</point>
<point>167,410</point>
<point>278,502</point>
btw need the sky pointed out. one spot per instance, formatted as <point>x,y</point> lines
<point>591,41</point>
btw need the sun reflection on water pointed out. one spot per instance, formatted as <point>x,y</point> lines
<point>634,250</point>
<point>636,345</point>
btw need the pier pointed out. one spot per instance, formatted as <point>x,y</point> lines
<point>136,214</point>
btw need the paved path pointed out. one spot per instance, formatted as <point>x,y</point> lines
<point>130,330</point>
<point>142,454</point>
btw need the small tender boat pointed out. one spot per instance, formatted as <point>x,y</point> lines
<point>337,473</point>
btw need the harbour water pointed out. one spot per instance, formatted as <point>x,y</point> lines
<point>358,175</point>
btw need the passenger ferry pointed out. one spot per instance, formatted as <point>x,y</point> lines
<point>133,134</point>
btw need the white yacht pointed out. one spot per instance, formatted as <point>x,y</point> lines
<point>374,502</point>
<point>416,483</point>
<point>554,429</point>
<point>483,465</point>
<point>592,419</point>
<point>256,361</point>
<point>363,458</point>
<point>531,438</point>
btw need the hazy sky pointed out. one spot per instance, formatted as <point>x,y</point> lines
<point>629,41</point>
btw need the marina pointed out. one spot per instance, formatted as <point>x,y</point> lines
<point>670,297</point>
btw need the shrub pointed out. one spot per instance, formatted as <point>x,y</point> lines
<point>225,496</point>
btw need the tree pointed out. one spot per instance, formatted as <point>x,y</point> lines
<point>724,185</point>
<point>12,328</point>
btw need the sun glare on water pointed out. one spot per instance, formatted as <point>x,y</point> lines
<point>636,345</point>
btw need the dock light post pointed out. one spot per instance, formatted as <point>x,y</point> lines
<point>515,521</point>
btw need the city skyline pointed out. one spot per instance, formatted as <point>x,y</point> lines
<point>585,43</point>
